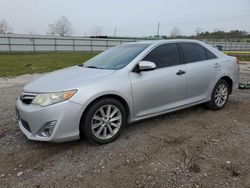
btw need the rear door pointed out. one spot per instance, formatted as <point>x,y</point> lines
<point>163,88</point>
<point>202,67</point>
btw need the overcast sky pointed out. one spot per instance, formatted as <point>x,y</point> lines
<point>130,17</point>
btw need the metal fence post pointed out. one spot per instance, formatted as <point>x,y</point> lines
<point>34,46</point>
<point>74,45</point>
<point>91,48</point>
<point>107,46</point>
<point>9,44</point>
<point>55,45</point>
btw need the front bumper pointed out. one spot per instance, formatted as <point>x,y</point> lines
<point>32,119</point>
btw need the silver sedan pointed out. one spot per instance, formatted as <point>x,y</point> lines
<point>124,84</point>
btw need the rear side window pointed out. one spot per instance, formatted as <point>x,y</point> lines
<point>210,55</point>
<point>164,56</point>
<point>193,52</point>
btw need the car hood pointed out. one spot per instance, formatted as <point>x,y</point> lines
<point>66,79</point>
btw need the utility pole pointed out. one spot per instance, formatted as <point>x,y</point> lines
<point>158,29</point>
<point>115,33</point>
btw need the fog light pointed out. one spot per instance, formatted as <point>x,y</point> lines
<point>47,129</point>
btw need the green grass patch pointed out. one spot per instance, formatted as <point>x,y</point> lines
<point>241,55</point>
<point>243,58</point>
<point>14,64</point>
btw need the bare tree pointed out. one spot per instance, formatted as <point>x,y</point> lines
<point>4,27</point>
<point>198,30</point>
<point>61,27</point>
<point>32,32</point>
<point>175,32</point>
<point>51,30</point>
<point>216,30</point>
<point>97,31</point>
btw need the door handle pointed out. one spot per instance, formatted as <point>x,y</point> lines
<point>216,65</point>
<point>180,72</point>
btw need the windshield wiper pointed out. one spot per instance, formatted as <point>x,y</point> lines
<point>93,67</point>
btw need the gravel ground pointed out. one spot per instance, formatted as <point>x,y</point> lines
<point>194,147</point>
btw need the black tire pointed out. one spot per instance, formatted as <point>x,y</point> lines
<point>212,104</point>
<point>86,123</point>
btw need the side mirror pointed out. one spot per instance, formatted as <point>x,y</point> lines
<point>146,66</point>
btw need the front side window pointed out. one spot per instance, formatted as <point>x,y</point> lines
<point>193,52</point>
<point>164,56</point>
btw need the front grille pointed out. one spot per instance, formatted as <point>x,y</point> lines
<point>25,125</point>
<point>27,98</point>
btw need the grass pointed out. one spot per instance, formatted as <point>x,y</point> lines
<point>14,64</point>
<point>241,55</point>
<point>243,58</point>
<point>237,52</point>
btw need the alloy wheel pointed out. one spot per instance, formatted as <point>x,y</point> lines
<point>106,122</point>
<point>221,94</point>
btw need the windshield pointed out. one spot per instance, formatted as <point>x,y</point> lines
<point>116,58</point>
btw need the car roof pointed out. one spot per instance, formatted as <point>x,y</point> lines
<point>153,43</point>
<point>165,41</point>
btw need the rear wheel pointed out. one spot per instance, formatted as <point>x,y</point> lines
<point>219,96</point>
<point>104,121</point>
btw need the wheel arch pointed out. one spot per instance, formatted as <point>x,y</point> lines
<point>229,81</point>
<point>114,96</point>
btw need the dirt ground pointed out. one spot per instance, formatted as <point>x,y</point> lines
<point>194,147</point>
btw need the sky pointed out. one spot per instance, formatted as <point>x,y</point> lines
<point>129,17</point>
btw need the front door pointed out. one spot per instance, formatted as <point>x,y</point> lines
<point>161,89</point>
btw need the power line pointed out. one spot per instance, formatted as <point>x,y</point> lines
<point>209,19</point>
<point>167,24</point>
<point>187,21</point>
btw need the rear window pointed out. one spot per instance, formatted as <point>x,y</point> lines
<point>193,52</point>
<point>210,55</point>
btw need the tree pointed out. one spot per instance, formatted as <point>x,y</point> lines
<point>61,27</point>
<point>4,27</point>
<point>175,32</point>
<point>198,31</point>
<point>32,32</point>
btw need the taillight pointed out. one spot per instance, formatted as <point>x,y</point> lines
<point>237,61</point>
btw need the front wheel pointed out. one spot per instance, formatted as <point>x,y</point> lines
<point>219,96</point>
<point>104,121</point>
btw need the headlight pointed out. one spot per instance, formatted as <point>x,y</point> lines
<point>53,98</point>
